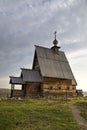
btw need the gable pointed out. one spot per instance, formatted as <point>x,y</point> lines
<point>35,62</point>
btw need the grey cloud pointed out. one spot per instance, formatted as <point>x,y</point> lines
<point>25,23</point>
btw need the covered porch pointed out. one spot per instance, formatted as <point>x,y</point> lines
<point>16,87</point>
<point>30,82</point>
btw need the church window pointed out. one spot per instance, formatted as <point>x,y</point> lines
<point>59,87</point>
<point>50,88</point>
<point>67,88</point>
<point>73,88</point>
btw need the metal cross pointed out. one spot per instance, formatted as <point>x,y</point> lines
<point>55,34</point>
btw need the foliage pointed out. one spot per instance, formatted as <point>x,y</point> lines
<point>31,114</point>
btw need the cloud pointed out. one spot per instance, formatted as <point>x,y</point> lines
<point>77,54</point>
<point>29,22</point>
<point>4,82</point>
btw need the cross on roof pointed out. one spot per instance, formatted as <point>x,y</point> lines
<point>55,34</point>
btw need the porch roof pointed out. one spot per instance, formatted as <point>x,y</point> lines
<point>16,80</point>
<point>30,75</point>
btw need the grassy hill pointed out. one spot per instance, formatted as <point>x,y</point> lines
<point>32,114</point>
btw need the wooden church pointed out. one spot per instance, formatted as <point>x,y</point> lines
<point>50,75</point>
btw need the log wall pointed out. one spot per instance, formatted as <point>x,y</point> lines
<point>33,89</point>
<point>59,88</point>
<point>17,93</point>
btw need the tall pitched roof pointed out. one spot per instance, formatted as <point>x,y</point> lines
<point>54,65</point>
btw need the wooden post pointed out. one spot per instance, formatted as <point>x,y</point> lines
<point>66,94</point>
<point>12,89</point>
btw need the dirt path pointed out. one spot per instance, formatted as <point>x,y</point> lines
<point>80,120</point>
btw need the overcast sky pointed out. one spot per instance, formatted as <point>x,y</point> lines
<point>24,23</point>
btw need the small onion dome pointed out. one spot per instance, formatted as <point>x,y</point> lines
<point>55,42</point>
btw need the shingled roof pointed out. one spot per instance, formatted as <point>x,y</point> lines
<point>29,75</point>
<point>16,80</point>
<point>54,65</point>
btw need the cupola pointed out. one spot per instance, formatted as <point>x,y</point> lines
<point>55,48</point>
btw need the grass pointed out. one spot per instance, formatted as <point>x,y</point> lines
<point>82,105</point>
<point>33,114</point>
